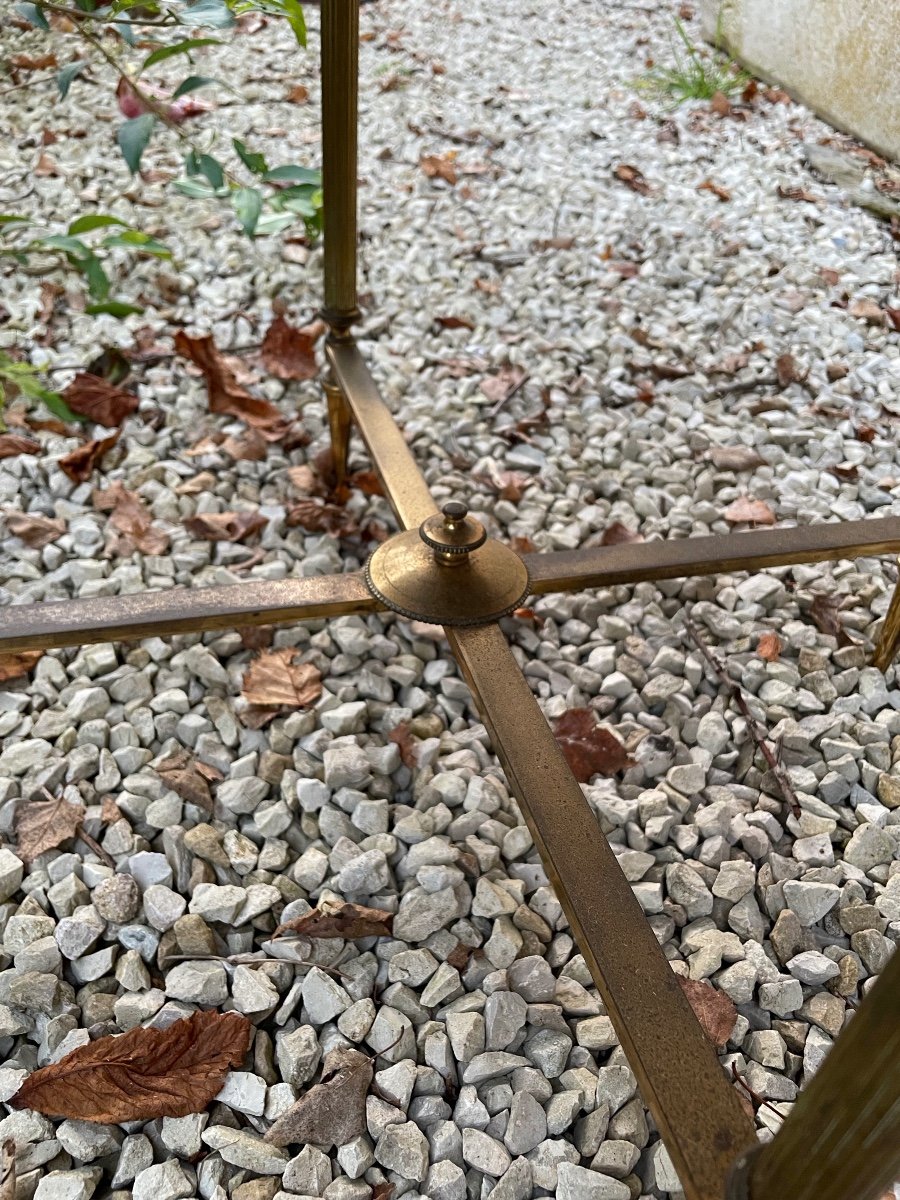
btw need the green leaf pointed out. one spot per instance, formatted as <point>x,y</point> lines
<point>69,72</point>
<point>192,83</point>
<point>34,14</point>
<point>274,223</point>
<point>195,189</point>
<point>213,13</point>
<point>133,239</point>
<point>13,218</point>
<point>294,14</point>
<point>212,169</point>
<point>55,403</point>
<point>251,159</point>
<point>133,137</point>
<point>123,28</point>
<point>248,206</point>
<point>185,47</point>
<point>113,308</point>
<point>69,245</point>
<point>293,174</point>
<point>97,279</point>
<point>93,221</point>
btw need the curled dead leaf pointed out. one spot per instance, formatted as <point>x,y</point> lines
<point>713,1009</point>
<point>633,178</point>
<point>80,464</point>
<point>274,680</point>
<point>43,825</point>
<point>824,612</point>
<point>290,353</point>
<point>143,1074</point>
<point>18,665</point>
<point>401,736</point>
<point>440,166</point>
<point>769,647</point>
<point>189,778</point>
<point>226,394</point>
<point>34,530</point>
<point>14,444</point>
<point>130,521</point>
<point>335,919</point>
<point>747,511</point>
<point>787,370</point>
<point>333,1111</point>
<point>100,401</point>
<point>617,534</point>
<point>589,748</point>
<point>522,545</point>
<point>500,387</point>
<point>224,527</point>
<point>708,186</point>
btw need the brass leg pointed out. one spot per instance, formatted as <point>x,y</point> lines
<point>889,642</point>
<point>339,419</point>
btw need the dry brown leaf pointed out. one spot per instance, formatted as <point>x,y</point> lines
<point>290,353</point>
<point>18,665</point>
<point>454,322</point>
<point>867,310</point>
<point>522,545</point>
<point>45,824</point>
<point>130,521</point>
<point>385,1191</point>
<point>797,193</point>
<point>893,316</point>
<point>402,737</point>
<point>333,1111</point>
<point>500,387</point>
<point>747,511</point>
<point>554,243</point>
<point>735,458</point>
<point>830,276</point>
<point>298,94</point>
<point>825,614</point>
<point>199,483</point>
<point>616,534</point>
<point>459,956</point>
<point>589,748</point>
<point>8,1169</point>
<point>713,1009</point>
<point>509,485</point>
<point>335,919</point>
<point>100,401</point>
<point>251,446</point>
<point>25,63</point>
<point>80,464</point>
<point>33,529</point>
<point>847,471</point>
<point>708,186</point>
<point>865,432</point>
<point>720,105</point>
<point>189,778</point>
<point>769,647</point>
<point>46,167</point>
<point>143,1074</point>
<point>440,166</point>
<point>13,444</point>
<point>368,483</point>
<point>274,680</point>
<point>318,516</point>
<point>224,527</point>
<point>528,614</point>
<point>787,370</point>
<point>633,177</point>
<point>226,394</point>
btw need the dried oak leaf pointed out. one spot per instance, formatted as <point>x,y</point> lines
<point>735,458</point>
<point>714,1010</point>
<point>100,401</point>
<point>80,464</point>
<point>589,748</point>
<point>333,1111</point>
<point>274,680</point>
<point>13,444</point>
<point>224,527</point>
<point>769,647</point>
<point>401,736</point>
<point>34,530</point>
<point>16,666</point>
<point>746,511</point>
<point>42,825</point>
<point>226,394</point>
<point>130,521</point>
<point>335,919</point>
<point>617,534</point>
<point>708,186</point>
<point>824,613</point>
<point>633,177</point>
<point>142,1074</point>
<point>189,778</point>
<point>290,353</point>
<point>440,166</point>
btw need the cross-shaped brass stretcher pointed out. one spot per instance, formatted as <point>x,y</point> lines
<point>842,1140</point>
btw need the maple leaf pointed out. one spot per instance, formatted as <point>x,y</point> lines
<point>274,680</point>
<point>708,186</point>
<point>401,736</point>
<point>713,1009</point>
<point>589,748</point>
<point>633,177</point>
<point>617,534</point>
<point>335,919</point>
<point>13,444</point>
<point>189,778</point>
<point>42,825</point>
<point>745,510</point>
<point>440,166</point>
<point>80,464</point>
<point>333,1111</point>
<point>16,666</point>
<point>99,400</point>
<point>290,353</point>
<point>769,647</point>
<point>130,520</point>
<point>735,458</point>
<point>143,1074</point>
<point>224,527</point>
<point>226,394</point>
<point>34,530</point>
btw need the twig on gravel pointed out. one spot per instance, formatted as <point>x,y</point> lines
<point>755,1098</point>
<point>508,395</point>
<point>758,734</point>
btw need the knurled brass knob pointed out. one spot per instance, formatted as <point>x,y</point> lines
<point>452,534</point>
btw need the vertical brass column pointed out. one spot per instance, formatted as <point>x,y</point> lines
<point>886,649</point>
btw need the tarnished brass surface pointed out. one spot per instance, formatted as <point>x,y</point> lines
<point>339,422</point>
<point>403,482</point>
<point>602,566</point>
<point>452,533</point>
<point>340,75</point>
<point>181,610</point>
<point>692,1101</point>
<point>841,1140</point>
<point>889,640</point>
<point>407,575</point>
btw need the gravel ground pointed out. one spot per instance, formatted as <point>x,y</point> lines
<point>652,325</point>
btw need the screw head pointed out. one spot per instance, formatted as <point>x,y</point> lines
<point>455,510</point>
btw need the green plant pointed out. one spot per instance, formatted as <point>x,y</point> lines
<point>698,74</point>
<point>21,378</point>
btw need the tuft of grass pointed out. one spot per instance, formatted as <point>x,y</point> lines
<point>697,74</point>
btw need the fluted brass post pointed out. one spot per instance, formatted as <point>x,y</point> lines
<point>889,641</point>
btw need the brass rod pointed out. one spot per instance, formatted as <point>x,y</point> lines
<point>886,648</point>
<point>695,1106</point>
<point>403,481</point>
<point>340,67</point>
<point>603,566</point>
<point>340,421</point>
<point>182,610</point>
<point>841,1141</point>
